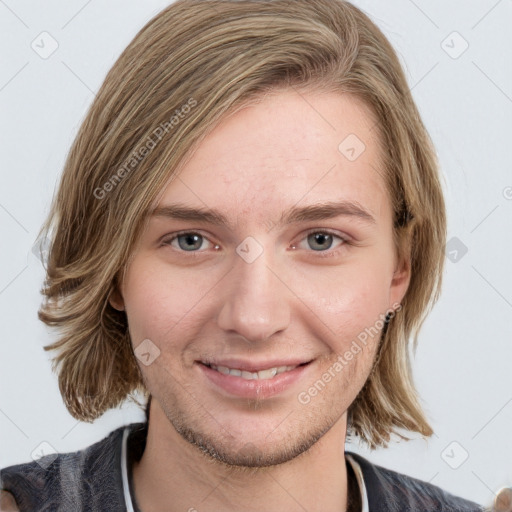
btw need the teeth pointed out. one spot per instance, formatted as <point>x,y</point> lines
<point>221,369</point>
<point>269,373</point>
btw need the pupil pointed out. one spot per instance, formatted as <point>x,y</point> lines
<point>322,237</point>
<point>190,240</point>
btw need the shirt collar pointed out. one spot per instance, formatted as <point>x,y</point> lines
<point>124,471</point>
<point>360,481</point>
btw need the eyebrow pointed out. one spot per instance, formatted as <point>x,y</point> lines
<point>321,211</point>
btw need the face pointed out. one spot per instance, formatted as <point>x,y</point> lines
<point>250,315</point>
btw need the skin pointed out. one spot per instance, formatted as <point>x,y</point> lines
<point>7,502</point>
<point>208,450</point>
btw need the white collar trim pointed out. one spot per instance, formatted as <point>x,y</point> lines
<point>124,471</point>
<point>360,480</point>
<point>128,497</point>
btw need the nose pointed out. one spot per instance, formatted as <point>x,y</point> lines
<point>256,303</point>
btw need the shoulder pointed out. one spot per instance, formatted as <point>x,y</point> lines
<point>390,491</point>
<point>67,481</point>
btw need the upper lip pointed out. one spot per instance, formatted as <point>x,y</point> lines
<point>254,366</point>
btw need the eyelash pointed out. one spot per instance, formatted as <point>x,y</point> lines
<point>322,254</point>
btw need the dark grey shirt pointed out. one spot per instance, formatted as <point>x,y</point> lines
<point>91,480</point>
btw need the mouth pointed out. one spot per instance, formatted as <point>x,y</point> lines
<point>253,380</point>
<point>266,374</point>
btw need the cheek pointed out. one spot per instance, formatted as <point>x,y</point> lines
<point>356,292</point>
<point>350,304</point>
<point>157,302</point>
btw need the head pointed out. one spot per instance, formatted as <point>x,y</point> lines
<point>247,107</point>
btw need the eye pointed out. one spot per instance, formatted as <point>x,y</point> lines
<point>188,241</point>
<point>322,240</point>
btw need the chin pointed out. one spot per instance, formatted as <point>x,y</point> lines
<point>253,439</point>
<point>250,453</point>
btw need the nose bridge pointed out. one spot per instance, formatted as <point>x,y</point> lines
<point>256,303</point>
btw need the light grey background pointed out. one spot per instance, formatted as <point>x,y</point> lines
<point>463,363</point>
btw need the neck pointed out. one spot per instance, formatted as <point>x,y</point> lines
<point>174,475</point>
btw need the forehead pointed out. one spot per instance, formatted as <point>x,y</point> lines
<point>290,148</point>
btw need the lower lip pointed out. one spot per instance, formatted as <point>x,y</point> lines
<point>254,388</point>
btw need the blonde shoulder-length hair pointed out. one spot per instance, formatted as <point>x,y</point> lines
<point>192,64</point>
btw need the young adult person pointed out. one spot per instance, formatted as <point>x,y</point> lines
<point>249,229</point>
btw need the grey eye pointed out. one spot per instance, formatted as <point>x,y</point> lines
<point>189,241</point>
<point>320,241</point>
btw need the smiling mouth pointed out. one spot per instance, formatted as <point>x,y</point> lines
<point>267,374</point>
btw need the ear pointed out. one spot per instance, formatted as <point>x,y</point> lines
<point>116,299</point>
<point>401,275</point>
